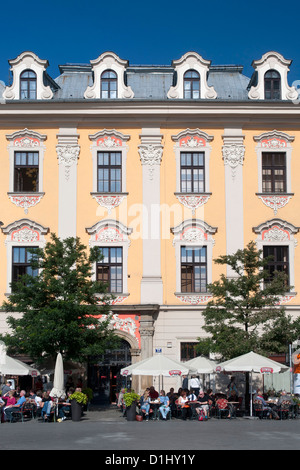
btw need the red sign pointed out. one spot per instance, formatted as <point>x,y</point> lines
<point>125,372</point>
<point>174,372</point>
<point>266,369</point>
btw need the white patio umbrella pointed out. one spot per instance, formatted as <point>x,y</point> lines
<point>58,390</point>
<point>251,362</point>
<point>10,366</point>
<point>202,365</point>
<point>158,365</point>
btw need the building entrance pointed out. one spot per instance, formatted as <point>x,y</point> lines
<point>104,373</point>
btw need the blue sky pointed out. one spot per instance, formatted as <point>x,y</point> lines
<point>156,32</point>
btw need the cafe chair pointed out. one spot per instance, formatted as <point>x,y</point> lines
<point>285,410</point>
<point>258,410</point>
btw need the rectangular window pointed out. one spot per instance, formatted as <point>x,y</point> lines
<point>109,172</point>
<point>21,263</point>
<point>192,172</point>
<point>279,261</point>
<point>187,351</point>
<point>273,172</point>
<point>193,269</point>
<point>110,269</point>
<point>26,172</point>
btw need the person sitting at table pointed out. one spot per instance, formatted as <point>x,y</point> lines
<point>270,411</point>
<point>164,408</point>
<point>183,403</point>
<point>233,400</point>
<point>203,400</point>
<point>145,403</point>
<point>153,393</point>
<point>11,408</point>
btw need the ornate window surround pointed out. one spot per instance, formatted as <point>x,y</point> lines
<point>26,140</point>
<point>274,141</point>
<point>108,61</point>
<point>194,61</point>
<point>109,140</point>
<point>189,140</point>
<point>279,232</point>
<point>110,233</point>
<point>23,232</point>
<point>272,61</point>
<point>28,60</point>
<point>193,232</point>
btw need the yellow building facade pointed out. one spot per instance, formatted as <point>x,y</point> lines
<point>164,168</point>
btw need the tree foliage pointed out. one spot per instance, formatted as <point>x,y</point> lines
<point>244,313</point>
<point>59,306</point>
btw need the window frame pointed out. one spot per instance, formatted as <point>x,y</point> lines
<point>110,81</point>
<point>109,168</point>
<point>272,81</point>
<point>25,264</point>
<point>192,80</point>
<point>17,174</point>
<point>190,266</point>
<point>110,265</point>
<point>276,263</point>
<point>273,167</point>
<point>28,81</point>
<point>193,168</point>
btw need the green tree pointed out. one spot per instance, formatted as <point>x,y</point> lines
<point>244,313</point>
<point>60,305</point>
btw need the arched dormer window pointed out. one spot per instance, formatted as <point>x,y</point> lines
<point>272,81</point>
<point>109,85</point>
<point>28,85</point>
<point>191,84</point>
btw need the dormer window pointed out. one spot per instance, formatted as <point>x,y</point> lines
<point>191,82</point>
<point>272,85</point>
<point>28,85</point>
<point>109,85</point>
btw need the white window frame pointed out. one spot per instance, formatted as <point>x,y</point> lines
<point>111,233</point>
<point>193,232</point>
<point>25,233</point>
<point>278,232</point>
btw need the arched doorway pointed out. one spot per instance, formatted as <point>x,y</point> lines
<point>103,373</point>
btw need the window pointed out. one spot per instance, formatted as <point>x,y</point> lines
<point>279,261</point>
<point>28,85</point>
<point>187,351</point>
<point>109,85</point>
<point>21,263</point>
<point>191,83</point>
<point>192,178</point>
<point>109,172</point>
<point>272,85</point>
<point>110,269</point>
<point>193,269</point>
<point>26,172</point>
<point>273,172</point>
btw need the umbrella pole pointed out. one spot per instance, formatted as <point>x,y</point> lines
<point>251,394</point>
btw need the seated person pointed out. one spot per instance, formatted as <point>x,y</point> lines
<point>153,393</point>
<point>270,411</point>
<point>16,407</point>
<point>183,403</point>
<point>203,400</point>
<point>63,407</point>
<point>164,408</point>
<point>232,406</point>
<point>145,403</point>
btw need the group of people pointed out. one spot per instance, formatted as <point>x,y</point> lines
<point>272,405</point>
<point>11,401</point>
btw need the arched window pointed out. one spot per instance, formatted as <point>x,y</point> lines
<point>272,85</point>
<point>28,85</point>
<point>109,85</point>
<point>191,84</point>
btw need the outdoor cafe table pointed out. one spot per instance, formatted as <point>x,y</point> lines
<point>154,405</point>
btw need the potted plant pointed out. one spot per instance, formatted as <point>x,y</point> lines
<point>130,400</point>
<point>78,400</point>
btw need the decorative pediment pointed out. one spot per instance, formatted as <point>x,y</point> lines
<point>28,61</point>
<point>26,139</point>
<point>109,139</point>
<point>108,231</point>
<point>192,139</point>
<point>191,61</point>
<point>272,61</point>
<point>108,61</point>
<point>274,140</point>
<point>24,231</point>
<point>276,231</point>
<point>193,232</point>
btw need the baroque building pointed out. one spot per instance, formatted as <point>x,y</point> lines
<point>163,167</point>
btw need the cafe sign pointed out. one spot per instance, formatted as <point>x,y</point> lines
<point>266,370</point>
<point>174,372</point>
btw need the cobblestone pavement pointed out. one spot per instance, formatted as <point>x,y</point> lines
<point>107,430</point>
